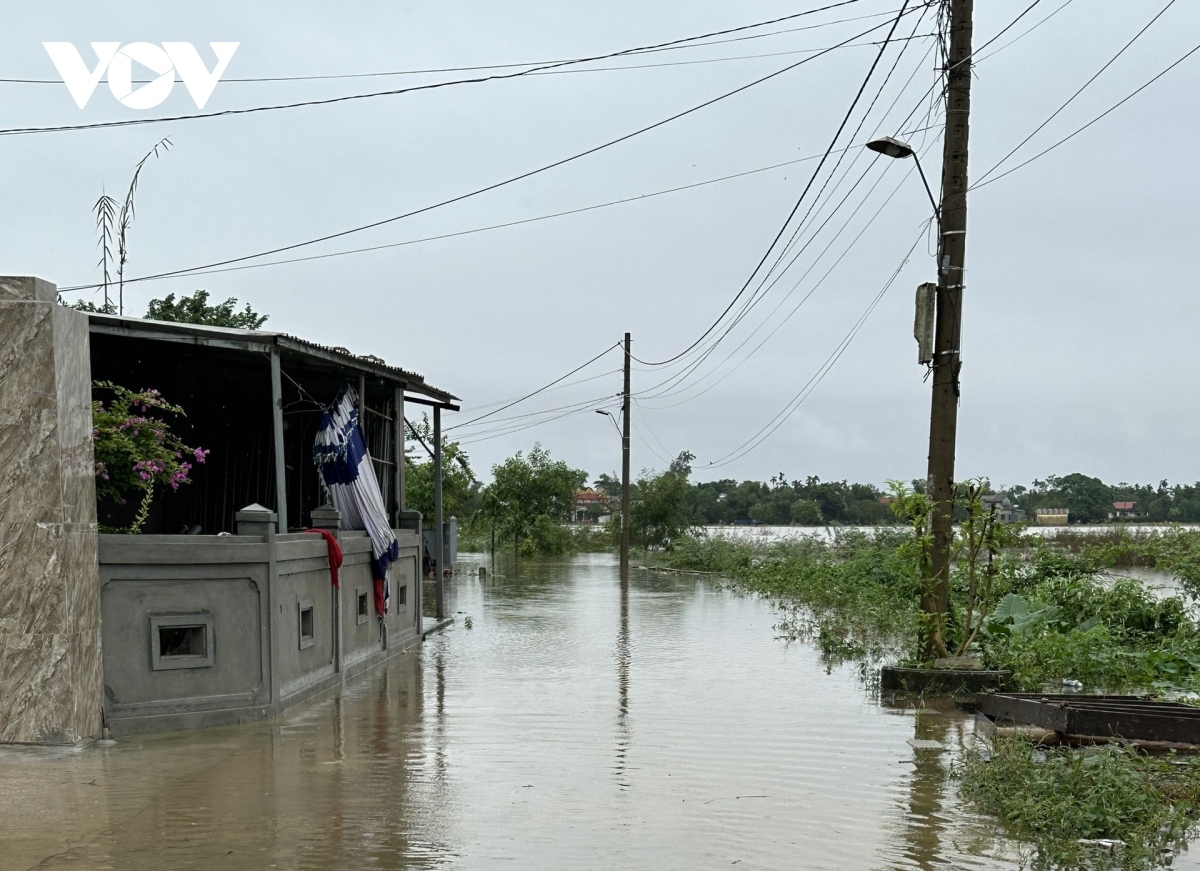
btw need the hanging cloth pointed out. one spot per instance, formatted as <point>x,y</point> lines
<point>340,452</point>
<point>334,551</point>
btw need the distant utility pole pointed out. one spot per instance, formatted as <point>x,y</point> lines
<point>952,247</point>
<point>625,470</point>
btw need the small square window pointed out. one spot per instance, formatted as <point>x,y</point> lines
<point>307,629</point>
<point>401,595</point>
<point>363,607</point>
<point>181,641</point>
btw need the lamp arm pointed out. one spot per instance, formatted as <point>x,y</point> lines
<point>936,210</point>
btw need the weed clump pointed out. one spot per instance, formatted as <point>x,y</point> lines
<point>1066,804</point>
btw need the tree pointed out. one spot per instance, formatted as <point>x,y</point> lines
<point>107,308</point>
<point>530,497</point>
<point>610,484</point>
<point>661,512</point>
<point>806,512</point>
<point>460,488</point>
<point>195,309</point>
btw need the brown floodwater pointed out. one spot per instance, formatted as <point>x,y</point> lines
<point>573,725</point>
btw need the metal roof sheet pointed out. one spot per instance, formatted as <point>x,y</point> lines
<point>252,340</point>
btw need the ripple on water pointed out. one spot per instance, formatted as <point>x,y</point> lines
<point>572,727</point>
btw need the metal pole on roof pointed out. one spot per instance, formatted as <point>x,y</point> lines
<point>398,453</point>
<point>280,457</point>
<point>439,547</point>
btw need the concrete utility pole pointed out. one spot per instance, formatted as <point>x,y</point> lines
<point>952,248</point>
<point>625,470</point>
<point>439,546</point>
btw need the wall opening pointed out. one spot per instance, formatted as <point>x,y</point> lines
<point>181,640</point>
<point>307,624</point>
<point>402,595</point>
<point>363,607</point>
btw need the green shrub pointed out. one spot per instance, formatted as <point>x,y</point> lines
<point>1053,798</point>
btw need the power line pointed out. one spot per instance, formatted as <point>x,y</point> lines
<point>1103,114</point>
<point>481,67</point>
<point>539,390</point>
<point>396,91</point>
<point>766,254</point>
<point>440,236</point>
<point>474,408</point>
<point>469,440</point>
<point>511,179</point>
<point>1071,99</point>
<point>754,300</point>
<point>790,408</point>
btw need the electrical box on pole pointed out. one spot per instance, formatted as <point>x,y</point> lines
<point>923,325</point>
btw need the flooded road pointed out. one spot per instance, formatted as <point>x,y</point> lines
<point>571,726</point>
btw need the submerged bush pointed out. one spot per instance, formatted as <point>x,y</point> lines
<point>855,595</point>
<point>1054,798</point>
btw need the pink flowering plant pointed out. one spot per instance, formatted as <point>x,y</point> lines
<point>136,452</point>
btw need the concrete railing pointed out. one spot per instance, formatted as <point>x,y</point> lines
<point>204,630</point>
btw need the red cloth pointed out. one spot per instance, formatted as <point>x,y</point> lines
<point>335,553</point>
<point>379,598</point>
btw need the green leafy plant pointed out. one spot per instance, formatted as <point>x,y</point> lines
<point>1066,803</point>
<point>195,309</point>
<point>135,450</point>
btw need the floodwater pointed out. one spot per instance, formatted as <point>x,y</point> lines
<point>572,725</point>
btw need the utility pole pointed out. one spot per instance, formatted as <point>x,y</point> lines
<point>439,545</point>
<point>625,470</point>
<point>952,247</point>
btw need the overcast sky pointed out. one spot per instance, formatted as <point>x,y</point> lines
<point>1081,308</point>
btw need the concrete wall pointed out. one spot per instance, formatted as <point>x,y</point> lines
<point>249,591</point>
<point>50,684</point>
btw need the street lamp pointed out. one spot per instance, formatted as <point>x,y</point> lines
<point>624,478</point>
<point>890,147</point>
<point>611,417</point>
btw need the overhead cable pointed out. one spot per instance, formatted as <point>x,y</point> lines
<point>507,181</point>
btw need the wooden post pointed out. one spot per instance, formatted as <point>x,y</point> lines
<point>280,456</point>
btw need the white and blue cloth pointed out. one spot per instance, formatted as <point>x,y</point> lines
<point>348,474</point>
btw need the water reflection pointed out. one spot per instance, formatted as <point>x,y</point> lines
<point>511,744</point>
<point>623,658</point>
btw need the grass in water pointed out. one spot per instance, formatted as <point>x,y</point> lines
<point>1065,802</point>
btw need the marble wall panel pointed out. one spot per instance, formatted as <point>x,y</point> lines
<point>29,444</point>
<point>77,475</point>
<point>72,377</point>
<point>87,679</point>
<point>27,360</point>
<point>51,686</point>
<point>26,288</point>
<point>32,588</point>
<point>36,695</point>
<point>81,576</point>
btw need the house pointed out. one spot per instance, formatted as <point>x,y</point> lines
<point>1123,511</point>
<point>223,609</point>
<point>591,506</point>
<point>1005,510</point>
<point>1052,516</point>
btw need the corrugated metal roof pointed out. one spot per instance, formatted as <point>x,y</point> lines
<point>253,340</point>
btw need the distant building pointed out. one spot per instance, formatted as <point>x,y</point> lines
<point>597,501</point>
<point>1006,511</point>
<point>1052,516</point>
<point>1123,511</point>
